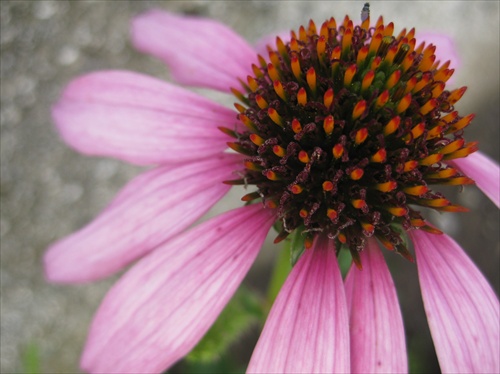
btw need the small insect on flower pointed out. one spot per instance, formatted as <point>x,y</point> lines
<point>365,12</point>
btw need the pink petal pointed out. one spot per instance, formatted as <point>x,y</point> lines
<point>484,171</point>
<point>307,328</point>
<point>140,119</point>
<point>462,309</point>
<point>199,51</point>
<point>151,209</point>
<point>164,305</point>
<point>377,331</point>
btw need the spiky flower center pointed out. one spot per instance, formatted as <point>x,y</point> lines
<point>348,129</point>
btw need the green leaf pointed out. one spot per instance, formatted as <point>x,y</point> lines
<point>281,270</point>
<point>242,311</point>
<point>31,359</point>
<point>297,246</point>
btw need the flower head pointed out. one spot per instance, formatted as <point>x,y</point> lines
<point>349,128</point>
<point>342,134</point>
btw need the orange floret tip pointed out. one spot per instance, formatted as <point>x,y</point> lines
<point>229,132</point>
<point>435,203</point>
<point>415,132</point>
<point>361,57</point>
<point>296,126</point>
<point>382,99</point>
<point>462,123</point>
<point>417,222</point>
<point>278,88</point>
<point>332,214</point>
<point>273,72</point>
<point>349,74</point>
<point>303,213</point>
<point>279,151</point>
<point>275,117</point>
<point>271,204</point>
<point>302,96</point>
<point>458,181</point>
<point>386,243</point>
<point>434,132</point>
<point>256,139</point>
<point>429,106</point>
<point>252,83</point>
<point>359,109</point>
<point>410,165</point>
<point>256,71</point>
<point>361,135</point>
<point>281,236</point>
<point>430,160</point>
<point>408,62</point>
<point>431,230</point>
<point>342,238</point>
<point>452,147</point>
<point>250,196</point>
<point>239,95</point>
<point>240,108</point>
<point>328,124</point>
<point>438,90</point>
<point>410,85</point>
<point>338,150</point>
<point>357,174</point>
<point>271,175</point>
<point>328,98</point>
<point>379,156</point>
<point>296,189</point>
<point>308,242</point>
<point>375,43</point>
<point>358,203</point>
<point>367,80</point>
<point>368,228</point>
<point>453,209</point>
<point>347,39</point>
<point>252,166</point>
<point>393,79</point>
<point>386,186</point>
<point>320,47</point>
<point>327,186</point>
<point>311,79</point>
<point>281,47</point>
<point>303,157</point>
<point>295,63</point>
<point>397,211</point>
<point>336,52</point>
<point>443,174</point>
<point>392,126</point>
<point>404,103</point>
<point>463,152</point>
<point>261,102</point>
<point>247,122</point>
<point>415,190</point>
<point>238,148</point>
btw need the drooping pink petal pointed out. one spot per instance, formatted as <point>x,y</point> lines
<point>199,51</point>
<point>140,119</point>
<point>484,171</point>
<point>462,309</point>
<point>164,305</point>
<point>151,209</point>
<point>307,328</point>
<point>377,332</point>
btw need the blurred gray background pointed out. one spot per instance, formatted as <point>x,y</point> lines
<point>48,190</point>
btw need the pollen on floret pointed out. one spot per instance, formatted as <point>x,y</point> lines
<point>348,129</point>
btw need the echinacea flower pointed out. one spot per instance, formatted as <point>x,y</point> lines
<point>341,135</point>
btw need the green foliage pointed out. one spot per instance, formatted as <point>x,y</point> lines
<point>30,360</point>
<point>296,246</point>
<point>244,310</point>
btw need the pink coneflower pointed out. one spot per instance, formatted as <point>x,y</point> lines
<point>343,131</point>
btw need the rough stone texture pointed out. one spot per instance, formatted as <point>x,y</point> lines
<point>48,190</point>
